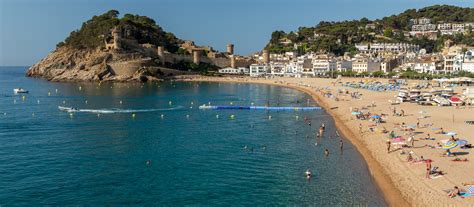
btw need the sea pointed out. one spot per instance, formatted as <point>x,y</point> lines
<point>150,144</point>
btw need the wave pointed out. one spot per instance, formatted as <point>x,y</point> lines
<point>115,110</point>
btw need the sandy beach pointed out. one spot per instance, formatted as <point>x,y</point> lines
<point>402,182</point>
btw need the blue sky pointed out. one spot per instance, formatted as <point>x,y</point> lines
<point>30,29</point>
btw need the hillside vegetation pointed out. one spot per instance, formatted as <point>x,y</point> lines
<point>340,37</point>
<point>141,28</point>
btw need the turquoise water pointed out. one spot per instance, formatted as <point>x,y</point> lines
<point>51,157</point>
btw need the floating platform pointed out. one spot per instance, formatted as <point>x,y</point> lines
<point>273,108</point>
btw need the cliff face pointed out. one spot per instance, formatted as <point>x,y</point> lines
<point>68,64</point>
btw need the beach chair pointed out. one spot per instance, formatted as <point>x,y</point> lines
<point>470,189</point>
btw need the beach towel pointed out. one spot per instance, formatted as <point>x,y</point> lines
<point>470,189</point>
<point>465,194</point>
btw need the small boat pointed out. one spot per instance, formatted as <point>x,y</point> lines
<point>308,173</point>
<point>68,109</point>
<point>20,90</point>
<point>441,101</point>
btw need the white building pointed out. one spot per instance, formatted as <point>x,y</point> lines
<point>425,67</point>
<point>360,65</point>
<point>391,47</point>
<point>468,62</point>
<point>277,68</point>
<point>259,70</point>
<point>323,64</point>
<point>344,65</point>
<point>235,71</point>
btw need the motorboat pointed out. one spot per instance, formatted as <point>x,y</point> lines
<point>20,90</point>
<point>403,96</point>
<point>441,101</point>
<point>68,109</point>
<point>447,92</point>
<point>414,94</point>
<point>308,173</point>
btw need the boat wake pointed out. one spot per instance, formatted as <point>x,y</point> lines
<point>114,110</point>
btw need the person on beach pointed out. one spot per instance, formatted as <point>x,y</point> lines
<point>323,126</point>
<point>360,128</point>
<point>418,123</point>
<point>341,145</point>
<point>326,152</point>
<point>403,112</point>
<point>388,145</point>
<point>428,168</point>
<point>321,131</point>
<point>394,111</point>
<point>411,139</point>
<point>455,192</point>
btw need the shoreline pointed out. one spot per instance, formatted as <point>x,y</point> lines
<point>391,193</point>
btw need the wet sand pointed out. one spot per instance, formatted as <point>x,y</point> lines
<point>403,183</point>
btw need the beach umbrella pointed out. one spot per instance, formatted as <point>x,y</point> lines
<point>455,99</point>
<point>449,145</point>
<point>376,117</point>
<point>411,126</point>
<point>355,113</point>
<point>451,134</point>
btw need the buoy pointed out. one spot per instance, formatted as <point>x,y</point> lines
<point>231,103</point>
<point>252,103</point>
<point>192,103</point>
<point>56,90</point>
<point>297,117</point>
<point>162,115</point>
<point>209,103</point>
<point>133,115</point>
<point>232,116</point>
<point>269,117</point>
<point>187,116</point>
<point>38,101</point>
<point>71,115</point>
<point>80,88</point>
<point>23,98</point>
<point>49,93</point>
<point>86,101</point>
<point>217,116</point>
<point>170,102</point>
<point>120,101</point>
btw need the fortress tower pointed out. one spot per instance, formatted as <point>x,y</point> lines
<point>232,61</point>
<point>266,56</point>
<point>196,56</point>
<point>161,53</point>
<point>230,49</point>
<point>116,34</point>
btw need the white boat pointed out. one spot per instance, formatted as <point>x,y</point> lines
<point>20,90</point>
<point>308,173</point>
<point>441,101</point>
<point>68,109</point>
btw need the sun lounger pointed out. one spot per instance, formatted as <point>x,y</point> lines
<point>470,189</point>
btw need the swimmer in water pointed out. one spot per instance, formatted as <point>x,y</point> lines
<point>326,152</point>
<point>323,126</point>
<point>148,162</point>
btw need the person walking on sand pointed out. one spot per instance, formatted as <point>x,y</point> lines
<point>403,112</point>
<point>388,145</point>
<point>341,145</point>
<point>418,123</point>
<point>428,168</point>
<point>394,111</point>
